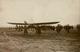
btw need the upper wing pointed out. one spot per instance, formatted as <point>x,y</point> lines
<point>18,23</point>
<point>44,23</point>
<point>33,23</point>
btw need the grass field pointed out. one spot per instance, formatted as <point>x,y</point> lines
<point>48,41</point>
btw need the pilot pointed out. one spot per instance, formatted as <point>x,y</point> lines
<point>59,28</point>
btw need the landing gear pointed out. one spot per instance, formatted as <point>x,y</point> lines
<point>31,30</point>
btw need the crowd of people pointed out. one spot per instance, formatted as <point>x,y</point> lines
<point>57,28</point>
<point>67,28</point>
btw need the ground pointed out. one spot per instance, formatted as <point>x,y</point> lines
<point>49,41</point>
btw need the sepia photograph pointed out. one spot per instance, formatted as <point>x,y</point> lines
<point>39,25</point>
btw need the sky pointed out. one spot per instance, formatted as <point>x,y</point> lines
<point>36,11</point>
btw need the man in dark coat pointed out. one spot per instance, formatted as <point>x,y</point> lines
<point>78,27</point>
<point>59,28</point>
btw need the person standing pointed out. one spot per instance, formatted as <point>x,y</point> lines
<point>78,27</point>
<point>59,28</point>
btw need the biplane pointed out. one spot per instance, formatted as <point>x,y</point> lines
<point>37,27</point>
